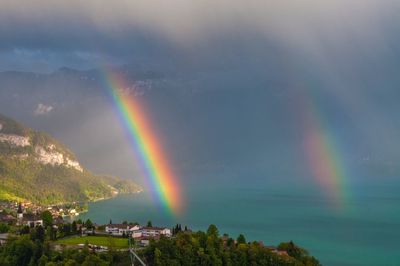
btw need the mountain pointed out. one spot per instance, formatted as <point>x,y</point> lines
<point>37,168</point>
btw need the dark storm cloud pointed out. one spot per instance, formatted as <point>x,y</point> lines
<point>133,28</point>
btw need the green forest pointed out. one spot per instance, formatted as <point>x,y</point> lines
<point>37,247</point>
<point>209,248</point>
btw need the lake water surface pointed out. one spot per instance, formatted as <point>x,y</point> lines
<point>366,233</point>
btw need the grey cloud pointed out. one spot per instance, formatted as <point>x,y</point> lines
<point>187,22</point>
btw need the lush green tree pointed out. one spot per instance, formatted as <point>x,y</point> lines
<point>25,230</point>
<point>18,252</point>
<point>208,249</point>
<point>298,253</point>
<point>51,233</point>
<point>71,262</point>
<point>241,239</point>
<point>89,224</point>
<point>4,228</point>
<point>42,260</point>
<point>38,233</point>
<point>149,224</point>
<point>291,249</point>
<point>230,242</point>
<point>93,260</point>
<point>212,230</point>
<point>74,227</point>
<point>47,218</point>
<point>158,257</point>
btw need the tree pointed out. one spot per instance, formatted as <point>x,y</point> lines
<point>149,224</point>
<point>51,233</point>
<point>4,228</point>
<point>157,257</point>
<point>25,230</point>
<point>67,229</point>
<point>291,249</point>
<point>71,262</point>
<point>74,228</point>
<point>241,239</point>
<point>38,233</point>
<point>47,218</point>
<point>212,230</point>
<point>42,260</point>
<point>93,260</point>
<point>89,224</point>
<point>230,242</point>
<point>20,251</point>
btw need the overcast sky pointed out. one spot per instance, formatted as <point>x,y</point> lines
<point>230,70</point>
<point>45,34</point>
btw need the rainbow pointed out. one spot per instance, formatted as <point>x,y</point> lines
<point>323,154</point>
<point>145,143</point>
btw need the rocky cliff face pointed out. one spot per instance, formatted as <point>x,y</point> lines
<point>51,156</point>
<point>44,155</point>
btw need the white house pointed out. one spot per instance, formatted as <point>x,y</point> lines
<point>31,220</point>
<point>121,229</point>
<point>152,232</point>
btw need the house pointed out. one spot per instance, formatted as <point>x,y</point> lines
<point>152,232</point>
<point>121,229</point>
<point>86,231</point>
<point>28,219</point>
<point>144,241</point>
<point>31,220</point>
<point>6,218</point>
<point>3,239</point>
<point>58,221</point>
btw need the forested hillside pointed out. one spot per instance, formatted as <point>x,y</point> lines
<point>37,168</point>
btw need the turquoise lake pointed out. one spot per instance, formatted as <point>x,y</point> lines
<point>366,233</point>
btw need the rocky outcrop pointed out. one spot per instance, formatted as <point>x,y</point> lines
<point>74,164</point>
<point>48,155</point>
<point>53,157</point>
<point>15,140</point>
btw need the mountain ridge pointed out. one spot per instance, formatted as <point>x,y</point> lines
<point>36,167</point>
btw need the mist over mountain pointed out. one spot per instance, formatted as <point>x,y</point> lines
<point>218,123</point>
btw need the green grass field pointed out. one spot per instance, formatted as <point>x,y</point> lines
<point>95,240</point>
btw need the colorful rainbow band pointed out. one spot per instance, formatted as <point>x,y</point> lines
<point>145,143</point>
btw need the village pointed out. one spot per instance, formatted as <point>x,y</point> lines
<point>67,231</point>
<point>63,210</point>
<point>29,215</point>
